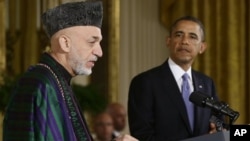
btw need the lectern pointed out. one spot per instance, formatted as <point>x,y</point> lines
<point>219,136</point>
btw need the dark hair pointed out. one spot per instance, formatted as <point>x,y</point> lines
<point>189,18</point>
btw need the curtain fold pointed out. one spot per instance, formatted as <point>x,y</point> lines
<point>2,36</point>
<point>113,41</point>
<point>226,59</point>
<point>2,50</point>
<point>29,39</point>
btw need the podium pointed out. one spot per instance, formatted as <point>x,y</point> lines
<point>219,136</point>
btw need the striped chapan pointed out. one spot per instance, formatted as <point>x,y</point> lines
<point>43,107</point>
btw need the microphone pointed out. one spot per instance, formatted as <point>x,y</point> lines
<point>203,100</point>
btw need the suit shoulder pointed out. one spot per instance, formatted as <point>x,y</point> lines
<point>148,74</point>
<point>201,75</point>
<point>151,71</point>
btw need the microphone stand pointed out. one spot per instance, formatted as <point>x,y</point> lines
<point>217,116</point>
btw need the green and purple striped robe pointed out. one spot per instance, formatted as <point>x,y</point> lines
<point>43,107</point>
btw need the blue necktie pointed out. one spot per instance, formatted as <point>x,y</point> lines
<point>189,105</point>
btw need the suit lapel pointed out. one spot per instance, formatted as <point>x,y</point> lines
<point>199,111</point>
<point>198,82</point>
<point>171,87</point>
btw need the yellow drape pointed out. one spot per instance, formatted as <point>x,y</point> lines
<point>113,13</point>
<point>2,36</point>
<point>25,39</point>
<point>2,50</point>
<point>227,35</point>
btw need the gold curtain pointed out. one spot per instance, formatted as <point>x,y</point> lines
<point>2,37</point>
<point>113,53</point>
<point>2,51</point>
<point>226,59</point>
<point>25,40</point>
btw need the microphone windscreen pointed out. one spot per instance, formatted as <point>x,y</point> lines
<point>198,98</point>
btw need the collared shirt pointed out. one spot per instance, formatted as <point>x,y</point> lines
<point>178,72</point>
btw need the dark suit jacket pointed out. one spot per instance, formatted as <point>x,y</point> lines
<point>156,110</point>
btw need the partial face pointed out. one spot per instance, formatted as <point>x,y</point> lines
<point>85,49</point>
<point>185,42</point>
<point>119,118</point>
<point>103,127</point>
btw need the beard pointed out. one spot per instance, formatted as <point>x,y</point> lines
<point>78,65</point>
<point>81,70</point>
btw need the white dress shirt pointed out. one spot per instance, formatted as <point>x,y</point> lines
<point>178,72</point>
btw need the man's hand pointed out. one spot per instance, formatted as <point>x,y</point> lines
<point>212,128</point>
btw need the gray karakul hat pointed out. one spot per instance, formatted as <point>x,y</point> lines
<point>73,14</point>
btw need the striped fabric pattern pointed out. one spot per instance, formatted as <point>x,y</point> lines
<point>37,111</point>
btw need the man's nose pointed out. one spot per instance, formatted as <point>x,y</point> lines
<point>98,51</point>
<point>184,40</point>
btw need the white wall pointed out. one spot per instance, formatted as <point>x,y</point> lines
<point>142,41</point>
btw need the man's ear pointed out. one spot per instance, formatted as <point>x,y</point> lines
<point>203,47</point>
<point>65,43</point>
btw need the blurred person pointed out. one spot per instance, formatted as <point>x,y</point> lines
<point>103,127</point>
<point>119,115</point>
<point>43,105</point>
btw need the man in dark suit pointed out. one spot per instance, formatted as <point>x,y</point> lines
<point>156,108</point>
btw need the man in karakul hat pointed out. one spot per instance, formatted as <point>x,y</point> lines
<point>43,106</point>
